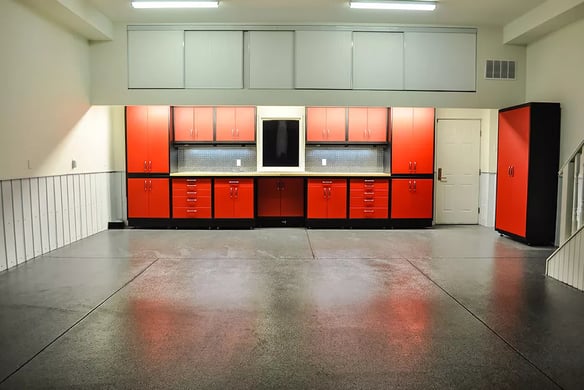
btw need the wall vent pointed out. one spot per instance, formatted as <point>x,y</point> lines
<point>500,70</point>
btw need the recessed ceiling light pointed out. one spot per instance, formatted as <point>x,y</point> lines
<point>395,5</point>
<point>175,4</point>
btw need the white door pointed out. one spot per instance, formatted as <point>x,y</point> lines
<point>457,175</point>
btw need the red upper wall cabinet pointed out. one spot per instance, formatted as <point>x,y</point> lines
<point>235,124</point>
<point>325,124</point>
<point>412,140</point>
<point>193,124</point>
<point>368,124</point>
<point>147,139</point>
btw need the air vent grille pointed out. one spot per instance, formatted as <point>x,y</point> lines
<point>500,70</point>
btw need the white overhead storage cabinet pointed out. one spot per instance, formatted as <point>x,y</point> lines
<point>323,59</point>
<point>440,61</point>
<point>155,59</point>
<point>214,59</point>
<point>271,59</point>
<point>378,60</point>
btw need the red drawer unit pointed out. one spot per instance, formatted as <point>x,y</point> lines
<point>369,199</point>
<point>191,198</point>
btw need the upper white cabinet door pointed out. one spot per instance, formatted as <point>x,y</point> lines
<point>156,59</point>
<point>323,59</point>
<point>440,61</point>
<point>214,59</point>
<point>271,59</point>
<point>378,60</point>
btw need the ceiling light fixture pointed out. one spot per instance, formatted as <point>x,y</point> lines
<point>175,4</point>
<point>394,5</point>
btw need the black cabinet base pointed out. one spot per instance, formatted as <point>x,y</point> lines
<point>411,223</point>
<point>150,223</point>
<point>280,222</point>
<point>529,240</point>
<point>234,223</point>
<point>191,223</point>
<point>369,223</point>
<point>326,223</point>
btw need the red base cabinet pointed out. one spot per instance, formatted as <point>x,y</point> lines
<point>327,199</point>
<point>528,152</point>
<point>369,198</point>
<point>280,197</point>
<point>412,198</point>
<point>191,198</point>
<point>234,198</point>
<point>148,198</point>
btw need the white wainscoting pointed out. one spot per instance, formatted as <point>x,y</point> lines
<point>39,215</point>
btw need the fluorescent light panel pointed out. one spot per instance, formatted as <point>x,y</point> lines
<point>395,5</point>
<point>175,4</point>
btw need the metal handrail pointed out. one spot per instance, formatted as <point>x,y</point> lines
<point>578,150</point>
<point>563,245</point>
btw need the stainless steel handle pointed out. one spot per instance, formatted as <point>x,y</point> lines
<point>327,182</point>
<point>150,185</point>
<point>236,192</point>
<point>191,211</point>
<point>233,181</point>
<point>415,166</point>
<point>191,200</point>
<point>145,185</point>
<point>415,186</point>
<point>150,165</point>
<point>410,165</point>
<point>231,192</point>
<point>191,180</point>
<point>145,166</point>
<point>410,185</point>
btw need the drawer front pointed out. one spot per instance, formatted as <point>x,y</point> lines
<point>190,187</point>
<point>368,213</point>
<point>191,212</point>
<point>370,184</point>
<point>373,201</point>
<point>191,201</point>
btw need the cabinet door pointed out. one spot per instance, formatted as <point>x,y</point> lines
<point>368,124</point>
<point>292,197</point>
<point>225,130</point>
<point>377,124</point>
<point>183,119</point>
<point>269,197</point>
<point>137,138</point>
<point>337,199</point>
<point>411,198</point>
<point>422,143</point>
<point>336,124</point>
<point>315,124</point>
<point>223,196</point>
<point>512,171</point>
<point>245,124</point>
<point>243,198</point>
<point>138,195</point>
<point>158,153</point>
<point>401,139</point>
<point>159,205</point>
<point>203,128</point>
<point>317,198</point>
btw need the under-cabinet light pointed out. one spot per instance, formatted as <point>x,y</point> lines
<point>395,5</point>
<point>175,4</point>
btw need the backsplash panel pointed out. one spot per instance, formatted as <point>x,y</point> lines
<point>347,159</point>
<point>217,158</point>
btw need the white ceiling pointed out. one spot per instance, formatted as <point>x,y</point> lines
<point>449,12</point>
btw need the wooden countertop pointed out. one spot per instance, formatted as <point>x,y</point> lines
<point>279,174</point>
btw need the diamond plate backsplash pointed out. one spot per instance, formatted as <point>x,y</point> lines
<point>347,159</point>
<point>217,159</point>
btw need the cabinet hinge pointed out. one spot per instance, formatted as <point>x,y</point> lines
<point>479,210</point>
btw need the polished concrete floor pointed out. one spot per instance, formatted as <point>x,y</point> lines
<point>442,308</point>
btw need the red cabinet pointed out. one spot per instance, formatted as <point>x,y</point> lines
<point>368,124</point>
<point>280,197</point>
<point>148,198</point>
<point>412,140</point>
<point>411,198</point>
<point>326,124</point>
<point>234,198</point>
<point>235,124</point>
<point>369,198</point>
<point>193,124</point>
<point>191,198</point>
<point>528,152</point>
<point>147,138</point>
<point>327,199</point>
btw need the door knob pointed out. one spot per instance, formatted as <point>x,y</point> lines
<point>440,177</point>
